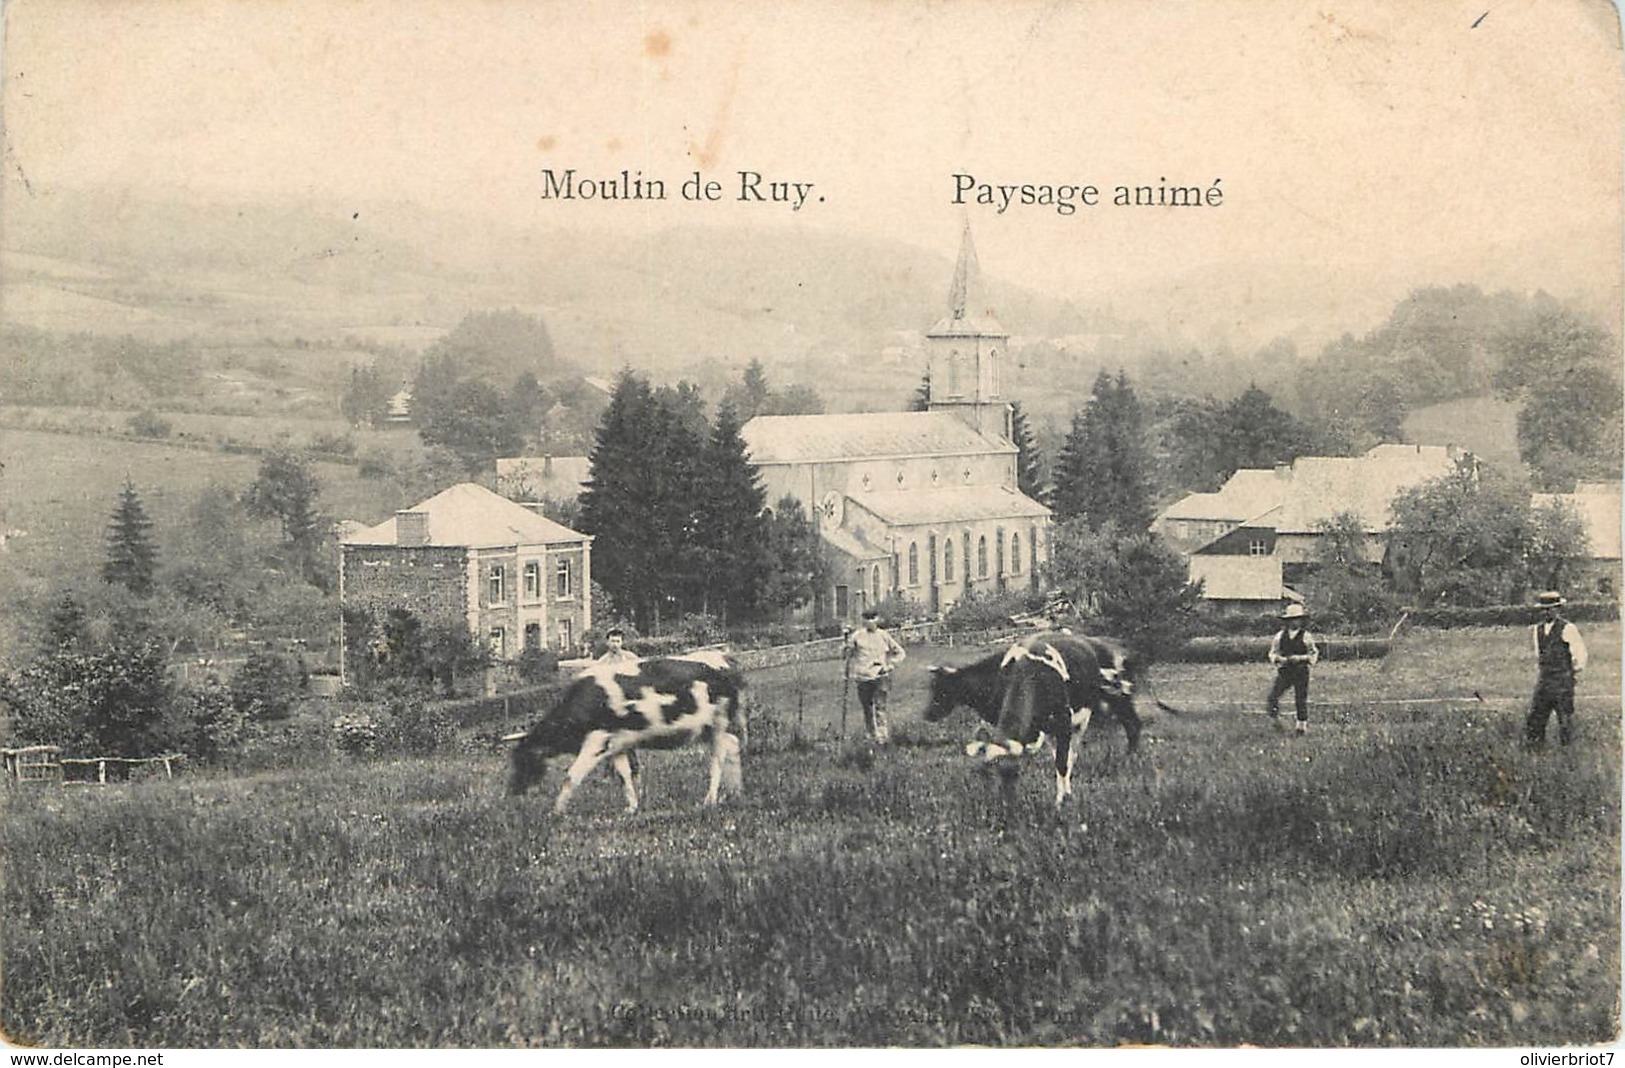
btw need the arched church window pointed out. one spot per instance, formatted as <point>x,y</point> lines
<point>948,560</point>
<point>953,373</point>
<point>981,556</point>
<point>913,563</point>
<point>874,585</point>
<point>1015,554</point>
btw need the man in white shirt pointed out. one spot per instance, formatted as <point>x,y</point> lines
<point>1561,653</point>
<point>871,654</point>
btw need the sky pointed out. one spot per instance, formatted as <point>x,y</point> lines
<point>1337,132</point>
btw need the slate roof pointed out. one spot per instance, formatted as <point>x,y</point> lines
<point>854,546</point>
<point>1598,504</point>
<point>960,504</point>
<point>1323,486</point>
<point>471,516</point>
<point>785,439</point>
<point>1315,488</point>
<point>1239,578</point>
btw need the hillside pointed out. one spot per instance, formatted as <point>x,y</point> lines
<point>1485,426</point>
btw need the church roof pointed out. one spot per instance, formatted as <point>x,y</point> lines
<point>968,313</point>
<point>854,546</point>
<point>471,516</point>
<point>960,504</point>
<point>785,439</point>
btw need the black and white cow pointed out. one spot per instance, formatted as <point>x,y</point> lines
<point>612,709</point>
<point>976,685</point>
<point>1045,684</point>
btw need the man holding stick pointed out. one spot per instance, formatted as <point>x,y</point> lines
<point>871,654</point>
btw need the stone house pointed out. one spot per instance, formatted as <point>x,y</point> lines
<point>516,578</point>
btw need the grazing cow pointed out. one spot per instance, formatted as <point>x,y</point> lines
<point>1049,683</point>
<point>612,709</point>
<point>976,685</point>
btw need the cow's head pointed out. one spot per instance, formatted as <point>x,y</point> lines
<point>527,765</point>
<point>946,688</point>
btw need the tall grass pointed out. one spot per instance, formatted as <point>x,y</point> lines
<point>1401,878</point>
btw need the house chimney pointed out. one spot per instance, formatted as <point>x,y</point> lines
<point>1283,470</point>
<point>411,528</point>
<point>547,467</point>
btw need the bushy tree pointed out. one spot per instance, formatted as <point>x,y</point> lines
<point>132,557</point>
<point>797,564</point>
<point>112,701</point>
<point>267,686</point>
<point>286,489</point>
<point>752,396</point>
<point>1346,591</point>
<point>1132,585</point>
<point>1564,372</point>
<point>1463,539</point>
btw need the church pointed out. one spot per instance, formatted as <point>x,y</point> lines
<point>921,505</point>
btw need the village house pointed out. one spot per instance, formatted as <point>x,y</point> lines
<point>517,579</point>
<point>1598,507</point>
<point>922,505</point>
<point>1253,538</point>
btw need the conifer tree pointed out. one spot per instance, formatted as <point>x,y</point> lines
<point>1100,475</point>
<point>131,556</point>
<point>1029,458</point>
<point>733,542</point>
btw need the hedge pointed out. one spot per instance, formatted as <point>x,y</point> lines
<point>1494,615</point>
<point>1248,650</point>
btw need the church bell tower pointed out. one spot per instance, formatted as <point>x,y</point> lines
<point>965,350</point>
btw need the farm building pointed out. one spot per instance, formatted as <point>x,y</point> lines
<point>918,504</point>
<point>1598,506</point>
<point>1275,515</point>
<point>517,579</point>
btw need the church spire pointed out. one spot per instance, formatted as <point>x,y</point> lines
<point>967,279</point>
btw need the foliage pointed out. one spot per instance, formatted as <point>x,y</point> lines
<point>920,400</point>
<point>1471,538</point>
<point>1100,476</point>
<point>1345,590</point>
<point>1565,374</point>
<point>132,558</point>
<point>499,346</point>
<point>752,396</point>
<point>401,648</point>
<point>367,395</point>
<point>733,540</point>
<point>113,701</point>
<point>147,424</point>
<point>267,686</point>
<point>535,665</point>
<point>986,611</point>
<point>797,562</point>
<point>286,489</point>
<point>471,416</point>
<point>67,628</point>
<point>1132,584</point>
<point>1030,475</point>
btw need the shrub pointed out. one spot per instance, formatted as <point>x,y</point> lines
<point>986,611</point>
<point>148,424</point>
<point>267,687</point>
<point>535,665</point>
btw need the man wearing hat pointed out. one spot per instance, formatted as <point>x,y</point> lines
<point>1292,652</point>
<point>1562,655</point>
<point>871,654</point>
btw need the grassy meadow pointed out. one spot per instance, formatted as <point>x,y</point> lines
<point>1406,875</point>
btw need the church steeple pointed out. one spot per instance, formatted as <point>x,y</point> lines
<point>965,351</point>
<point>967,278</point>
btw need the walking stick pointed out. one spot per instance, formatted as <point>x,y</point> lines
<point>846,677</point>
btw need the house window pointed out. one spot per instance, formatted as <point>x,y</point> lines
<point>533,635</point>
<point>564,586</point>
<point>948,560</point>
<point>499,641</point>
<point>981,557</point>
<point>913,563</point>
<point>498,587</point>
<point>566,635</point>
<point>533,580</point>
<point>1015,554</point>
<point>1258,547</point>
